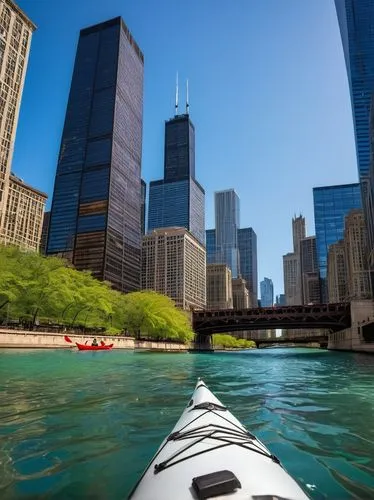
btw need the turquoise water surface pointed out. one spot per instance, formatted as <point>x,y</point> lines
<point>85,424</point>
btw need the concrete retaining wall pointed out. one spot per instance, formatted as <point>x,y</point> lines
<point>45,340</point>
<point>351,339</point>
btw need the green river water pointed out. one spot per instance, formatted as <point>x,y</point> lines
<point>85,424</point>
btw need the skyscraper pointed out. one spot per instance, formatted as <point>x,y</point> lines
<point>227,218</point>
<point>355,19</point>
<point>291,279</point>
<point>309,271</point>
<point>331,205</point>
<point>292,264</point>
<point>143,206</point>
<point>96,209</point>
<point>210,243</point>
<point>178,199</point>
<point>247,245</point>
<point>15,38</point>
<point>355,241</point>
<point>337,280</point>
<point>298,232</point>
<point>267,292</point>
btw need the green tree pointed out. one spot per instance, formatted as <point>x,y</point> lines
<point>35,287</point>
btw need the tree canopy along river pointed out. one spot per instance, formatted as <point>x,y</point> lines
<point>85,424</point>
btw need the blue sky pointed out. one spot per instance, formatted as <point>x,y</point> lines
<point>268,96</point>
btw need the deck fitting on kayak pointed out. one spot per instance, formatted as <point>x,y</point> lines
<point>215,483</point>
<point>209,406</point>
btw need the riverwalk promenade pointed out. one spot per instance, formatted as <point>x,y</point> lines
<point>10,338</point>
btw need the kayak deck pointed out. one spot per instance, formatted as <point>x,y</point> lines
<point>209,452</point>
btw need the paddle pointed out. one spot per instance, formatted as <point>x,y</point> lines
<point>67,339</point>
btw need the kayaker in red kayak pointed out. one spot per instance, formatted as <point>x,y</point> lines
<point>94,342</point>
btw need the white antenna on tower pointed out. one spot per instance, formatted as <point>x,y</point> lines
<point>187,104</point>
<point>176,97</point>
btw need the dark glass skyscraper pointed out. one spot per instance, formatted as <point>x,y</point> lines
<point>210,242</point>
<point>178,199</point>
<point>355,19</point>
<point>267,292</point>
<point>96,208</point>
<point>247,244</point>
<point>331,205</point>
<point>179,158</point>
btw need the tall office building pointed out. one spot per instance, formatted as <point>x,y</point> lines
<point>355,23</point>
<point>331,205</point>
<point>15,38</point>
<point>174,263</point>
<point>143,205</point>
<point>210,243</point>
<point>355,240</point>
<point>178,199</point>
<point>247,244</point>
<point>227,219</point>
<point>96,209</point>
<point>218,287</point>
<point>357,34</point>
<point>24,214</point>
<point>337,282</point>
<point>298,232</point>
<point>267,292</point>
<point>292,264</point>
<point>309,271</point>
<point>291,279</point>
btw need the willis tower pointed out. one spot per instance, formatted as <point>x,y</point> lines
<point>178,199</point>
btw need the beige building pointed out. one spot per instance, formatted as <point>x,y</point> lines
<point>174,264</point>
<point>218,287</point>
<point>240,294</point>
<point>24,215</point>
<point>355,240</point>
<point>15,38</point>
<point>311,288</point>
<point>292,288</point>
<point>298,232</point>
<point>337,279</point>
<point>292,264</point>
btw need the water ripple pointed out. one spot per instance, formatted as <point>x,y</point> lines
<point>69,418</point>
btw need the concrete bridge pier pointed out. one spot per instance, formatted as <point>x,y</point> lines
<point>203,342</point>
<point>354,338</point>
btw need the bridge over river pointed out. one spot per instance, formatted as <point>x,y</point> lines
<point>327,317</point>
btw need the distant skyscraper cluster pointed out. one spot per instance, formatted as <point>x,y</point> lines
<point>231,245</point>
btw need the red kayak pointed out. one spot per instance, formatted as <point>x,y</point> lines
<point>83,347</point>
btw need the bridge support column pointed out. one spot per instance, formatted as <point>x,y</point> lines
<point>352,339</point>
<point>203,342</point>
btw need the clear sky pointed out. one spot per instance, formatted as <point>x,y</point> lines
<point>268,96</point>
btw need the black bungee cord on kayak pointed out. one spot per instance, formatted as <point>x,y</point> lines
<point>225,435</point>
